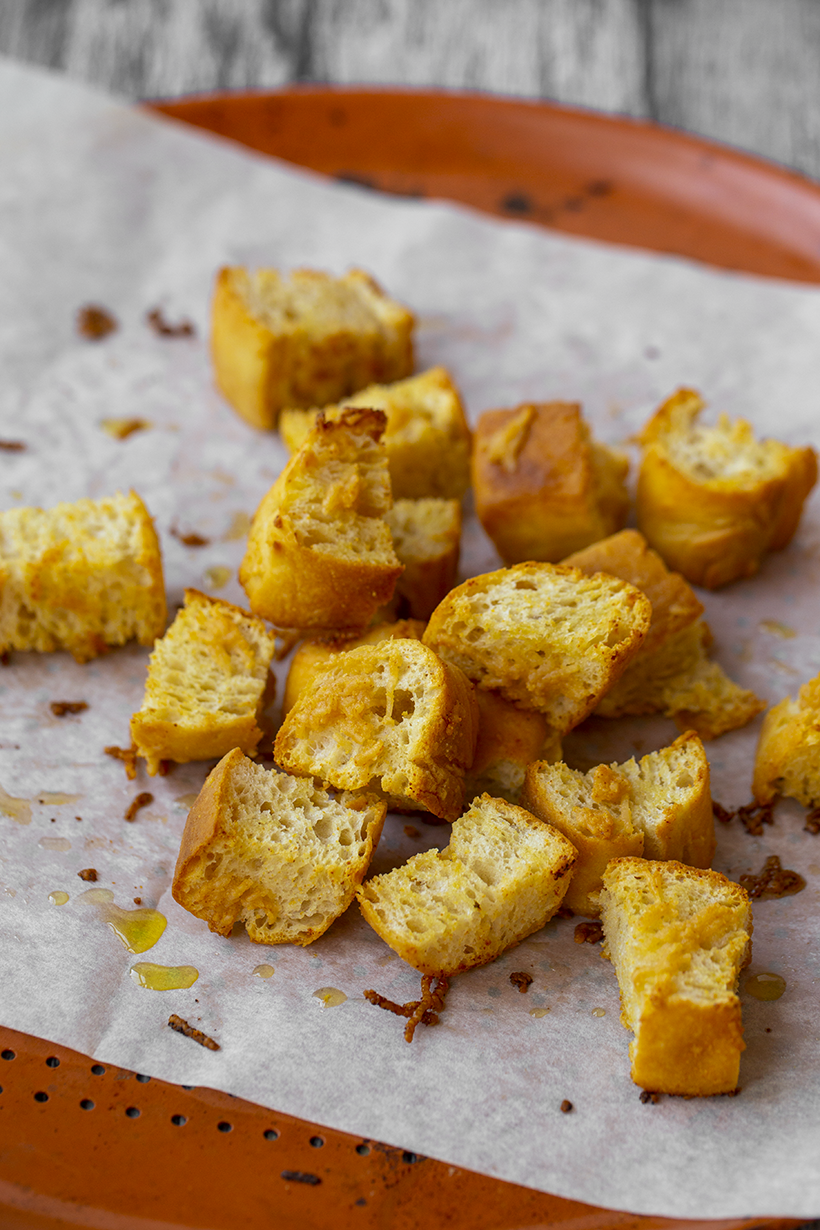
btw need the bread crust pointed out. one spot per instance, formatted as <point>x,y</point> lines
<point>427,541</point>
<point>390,716</point>
<point>715,528</point>
<point>304,360</point>
<point>509,739</point>
<point>248,894</point>
<point>678,938</point>
<point>787,760</point>
<point>319,553</point>
<point>542,487</point>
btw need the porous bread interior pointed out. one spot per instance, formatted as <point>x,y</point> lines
<point>502,876</point>
<point>597,804</point>
<point>788,755</point>
<point>671,779</point>
<point>338,496</point>
<point>309,301</point>
<point>540,638</point>
<point>727,451</point>
<point>667,924</point>
<point>212,663</point>
<point>81,571</point>
<point>424,529</point>
<point>389,704</point>
<point>286,857</point>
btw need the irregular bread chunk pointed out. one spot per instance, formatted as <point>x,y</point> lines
<point>319,553</point>
<point>503,875</point>
<point>208,680</point>
<point>788,751</point>
<point>678,938</point>
<point>543,486</point>
<point>427,540</point>
<point>427,438</point>
<point>671,673</point>
<point>303,340</point>
<point>713,500</point>
<point>80,577</point>
<point>509,739</point>
<point>543,635</point>
<point>659,808</point>
<point>273,852</point>
<point>390,716</point>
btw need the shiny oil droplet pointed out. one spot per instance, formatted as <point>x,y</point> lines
<point>765,986</point>
<point>264,971</point>
<point>186,800</point>
<point>775,628</point>
<point>58,897</point>
<point>138,930</point>
<point>54,843</point>
<point>164,977</point>
<point>539,1012</point>
<point>330,997</point>
<point>218,576</point>
<point>599,1011</point>
<point>18,809</point>
<point>56,798</point>
<point>240,527</point>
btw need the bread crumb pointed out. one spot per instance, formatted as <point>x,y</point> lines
<point>812,824</point>
<point>182,1027</point>
<point>647,1096</point>
<point>121,429</point>
<point>772,882</point>
<point>190,540</point>
<point>422,1011</point>
<point>566,1106</point>
<point>410,830</point>
<point>13,446</point>
<point>138,901</point>
<point>88,873</point>
<point>141,800</point>
<point>95,322</point>
<point>61,707</point>
<point>522,981</point>
<point>721,813</point>
<point>128,755</point>
<point>155,320</point>
<point>589,932</point>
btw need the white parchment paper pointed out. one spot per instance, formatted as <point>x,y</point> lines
<point>101,203</point>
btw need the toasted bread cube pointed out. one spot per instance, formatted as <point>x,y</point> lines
<point>543,486</point>
<point>543,635</point>
<point>80,577</point>
<point>313,655</point>
<point>713,500</point>
<point>678,938</point>
<point>659,808</point>
<point>509,739</point>
<point>273,852</point>
<point>391,717</point>
<point>502,877</point>
<point>208,681</point>
<point>788,751</point>
<point>303,340</point>
<point>320,554</point>
<point>427,438</point>
<point>427,541</point>
<point>671,673</point>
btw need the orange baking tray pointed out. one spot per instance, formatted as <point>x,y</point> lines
<point>86,1144</point>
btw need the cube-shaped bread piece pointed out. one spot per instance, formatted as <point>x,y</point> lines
<point>502,877</point>
<point>543,635</point>
<point>713,500</point>
<point>303,340</point>
<point>80,577</point>
<point>788,751</point>
<point>313,655</point>
<point>657,808</point>
<point>427,438</point>
<point>427,541</point>
<point>273,852</point>
<point>672,672</point>
<point>319,553</point>
<point>543,487</point>
<point>391,717</point>
<point>678,938</point>
<point>208,681</point>
<point>509,740</point>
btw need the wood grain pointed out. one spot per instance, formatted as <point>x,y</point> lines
<point>740,71</point>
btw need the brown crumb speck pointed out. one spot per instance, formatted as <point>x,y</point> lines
<point>422,1011</point>
<point>721,813</point>
<point>141,800</point>
<point>589,932</point>
<point>647,1096</point>
<point>812,824</point>
<point>5,658</point>
<point>13,446</point>
<point>521,980</point>
<point>128,755</point>
<point>121,429</point>
<point>95,322</point>
<point>155,319</point>
<point>138,901</point>
<point>88,873</point>
<point>61,707</point>
<point>773,881</point>
<point>166,767</point>
<point>190,540</point>
<point>182,1027</point>
<point>564,911</point>
<point>566,1106</point>
<point>410,830</point>
<point>754,815</point>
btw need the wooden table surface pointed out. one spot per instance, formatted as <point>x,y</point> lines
<point>746,72</point>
